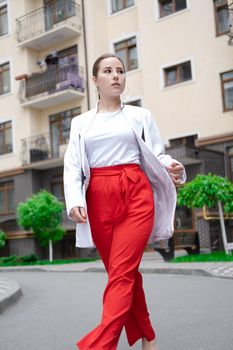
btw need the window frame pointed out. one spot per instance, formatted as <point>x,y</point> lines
<point>4,122</point>
<point>229,157</point>
<point>216,7</point>
<point>189,214</point>
<point>3,63</point>
<point>59,120</point>
<point>125,9</point>
<point>4,187</point>
<point>57,180</point>
<point>174,64</point>
<point>124,39</point>
<point>4,3</point>
<point>158,16</point>
<point>223,91</point>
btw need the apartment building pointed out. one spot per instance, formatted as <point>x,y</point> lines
<point>179,60</point>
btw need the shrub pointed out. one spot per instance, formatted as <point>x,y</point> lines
<point>29,258</point>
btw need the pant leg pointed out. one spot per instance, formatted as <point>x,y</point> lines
<point>129,241</point>
<point>124,300</point>
<point>138,324</point>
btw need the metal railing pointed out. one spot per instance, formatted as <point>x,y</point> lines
<point>42,147</point>
<point>54,79</point>
<point>48,17</point>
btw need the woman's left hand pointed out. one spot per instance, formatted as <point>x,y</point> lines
<point>175,171</point>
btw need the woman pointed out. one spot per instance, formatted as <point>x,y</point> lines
<point>119,189</point>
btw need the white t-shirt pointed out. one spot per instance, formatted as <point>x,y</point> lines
<point>111,141</point>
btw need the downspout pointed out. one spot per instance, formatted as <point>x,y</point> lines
<point>85,54</point>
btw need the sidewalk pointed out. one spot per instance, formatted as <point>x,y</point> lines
<point>10,291</point>
<point>152,262</point>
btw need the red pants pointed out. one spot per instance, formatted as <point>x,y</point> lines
<point>121,210</point>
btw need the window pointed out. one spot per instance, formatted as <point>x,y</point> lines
<point>57,11</point>
<point>127,51</point>
<point>229,154</point>
<point>168,7</point>
<point>118,5</point>
<point>4,78</point>
<point>7,198</point>
<point>3,20</point>
<point>60,130</point>
<point>57,187</point>
<point>227,90</point>
<point>178,74</point>
<point>68,58</point>
<point>183,218</point>
<point>5,138</point>
<point>221,16</point>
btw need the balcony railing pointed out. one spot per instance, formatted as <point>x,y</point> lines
<point>54,79</point>
<point>43,147</point>
<point>47,18</point>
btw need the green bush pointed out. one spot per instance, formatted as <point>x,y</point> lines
<point>207,190</point>
<point>9,259</point>
<point>13,259</point>
<point>29,258</point>
<point>2,238</point>
<point>33,260</point>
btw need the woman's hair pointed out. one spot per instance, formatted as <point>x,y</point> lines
<point>95,68</point>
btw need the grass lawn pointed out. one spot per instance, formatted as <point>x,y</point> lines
<point>210,257</point>
<point>18,262</point>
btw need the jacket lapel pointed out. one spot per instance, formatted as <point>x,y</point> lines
<point>84,161</point>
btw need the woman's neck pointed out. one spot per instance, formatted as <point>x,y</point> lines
<point>109,105</point>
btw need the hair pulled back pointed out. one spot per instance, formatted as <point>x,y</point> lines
<point>96,64</point>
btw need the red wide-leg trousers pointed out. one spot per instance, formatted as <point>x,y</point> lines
<point>121,212</point>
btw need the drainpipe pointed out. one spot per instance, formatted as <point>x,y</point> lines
<point>85,54</point>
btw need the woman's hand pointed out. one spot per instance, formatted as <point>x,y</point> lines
<point>175,171</point>
<point>78,215</point>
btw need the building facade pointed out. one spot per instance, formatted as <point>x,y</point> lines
<point>179,60</point>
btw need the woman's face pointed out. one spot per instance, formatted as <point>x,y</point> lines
<point>110,80</point>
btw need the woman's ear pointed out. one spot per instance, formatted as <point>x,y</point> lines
<point>94,79</point>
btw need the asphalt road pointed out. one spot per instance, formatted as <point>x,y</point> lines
<point>56,309</point>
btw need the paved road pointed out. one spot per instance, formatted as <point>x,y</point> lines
<point>56,309</point>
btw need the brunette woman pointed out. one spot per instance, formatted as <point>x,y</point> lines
<point>119,188</point>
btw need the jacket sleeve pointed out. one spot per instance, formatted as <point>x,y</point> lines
<point>73,172</point>
<point>158,148</point>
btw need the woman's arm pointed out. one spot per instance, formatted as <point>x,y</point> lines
<point>72,172</point>
<point>175,169</point>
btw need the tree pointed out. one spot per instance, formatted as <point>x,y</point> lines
<point>2,239</point>
<point>42,213</point>
<point>212,191</point>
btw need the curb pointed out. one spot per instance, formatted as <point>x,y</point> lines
<point>10,292</point>
<point>165,271</point>
<point>147,268</point>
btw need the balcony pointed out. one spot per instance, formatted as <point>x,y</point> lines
<point>49,25</point>
<point>54,86</point>
<point>43,151</point>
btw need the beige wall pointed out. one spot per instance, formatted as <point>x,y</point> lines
<point>27,122</point>
<point>193,107</point>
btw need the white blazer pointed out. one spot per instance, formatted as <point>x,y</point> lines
<point>153,162</point>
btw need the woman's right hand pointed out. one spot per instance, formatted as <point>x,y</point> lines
<point>78,215</point>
